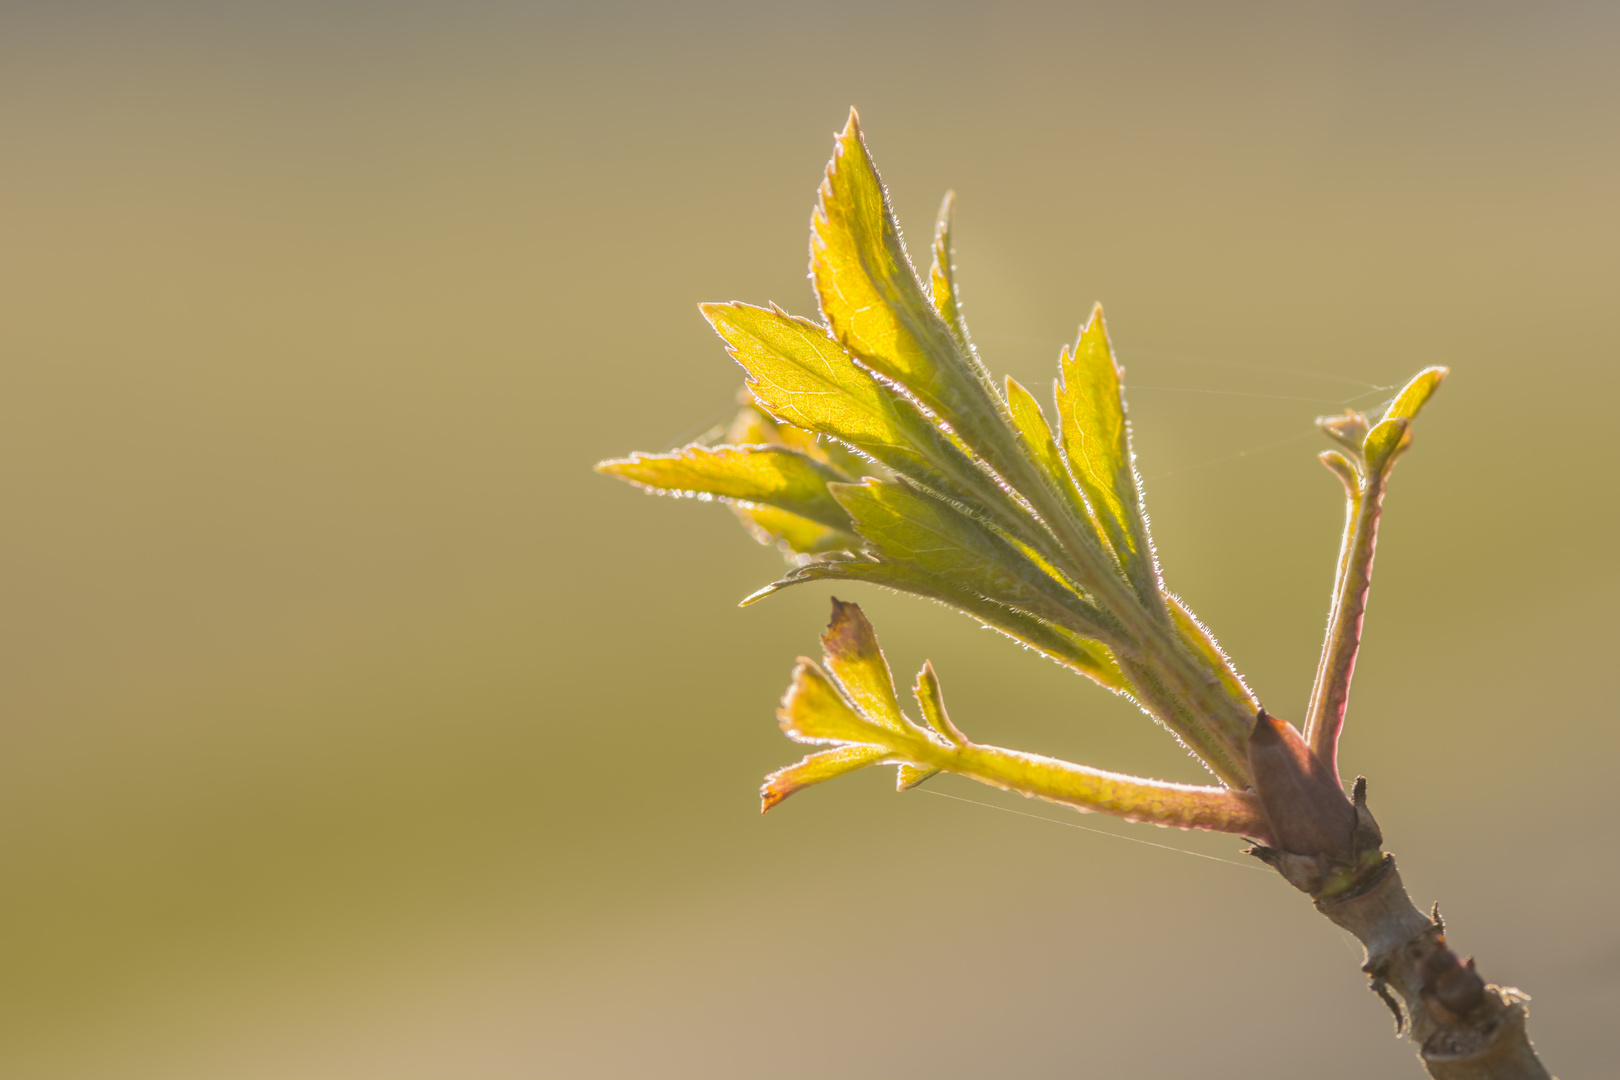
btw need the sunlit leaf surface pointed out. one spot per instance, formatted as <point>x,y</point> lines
<point>942,275</point>
<point>851,650</point>
<point>872,447</point>
<point>916,530</point>
<point>772,475</point>
<point>1096,439</point>
<point>817,708</point>
<point>815,768</point>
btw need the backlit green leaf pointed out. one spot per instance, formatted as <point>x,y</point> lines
<point>851,650</point>
<point>1037,433</point>
<point>772,475</point>
<point>914,529</point>
<point>817,767</point>
<point>1203,645</point>
<point>872,300</point>
<point>815,711</point>
<point>1391,436</point>
<point>942,275</point>
<point>803,377</point>
<point>932,702</point>
<point>908,776</point>
<point>1416,393</point>
<point>1385,442</point>
<point>1089,657</point>
<point>1096,438</point>
<point>798,534</point>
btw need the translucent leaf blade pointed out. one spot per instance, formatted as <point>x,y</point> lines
<point>805,378</point>
<point>815,711</point>
<point>873,301</point>
<point>942,275</point>
<point>931,700</point>
<point>1203,645</point>
<point>1043,447</point>
<point>908,776</point>
<point>800,535</point>
<point>816,768</point>
<point>772,475</point>
<point>929,535</point>
<point>1096,440</point>
<point>1086,656</point>
<point>1416,393</point>
<point>850,648</point>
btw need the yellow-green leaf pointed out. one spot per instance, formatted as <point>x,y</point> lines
<point>1416,393</point>
<point>1096,438</point>
<point>1209,653</point>
<point>1037,434</point>
<point>1385,442</point>
<point>752,426</point>
<point>806,379</point>
<point>1390,437</point>
<point>915,529</point>
<point>772,475</point>
<point>932,703</point>
<point>908,776</point>
<point>769,525</point>
<point>815,768</point>
<point>873,302</point>
<point>1090,658</point>
<point>942,275</point>
<point>814,710</point>
<point>851,650</point>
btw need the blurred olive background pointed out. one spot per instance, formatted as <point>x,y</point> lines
<point>353,728</point>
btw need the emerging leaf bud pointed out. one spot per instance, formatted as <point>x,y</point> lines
<point>1303,801</point>
<point>1349,429</point>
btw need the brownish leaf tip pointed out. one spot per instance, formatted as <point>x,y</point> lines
<point>849,634</point>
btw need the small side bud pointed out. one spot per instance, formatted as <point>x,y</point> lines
<point>1450,984</point>
<point>1304,803</point>
<point>1350,429</point>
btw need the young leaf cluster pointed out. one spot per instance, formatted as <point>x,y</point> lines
<point>873,446</point>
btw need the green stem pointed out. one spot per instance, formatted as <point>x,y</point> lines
<point>1129,797</point>
<point>1331,693</point>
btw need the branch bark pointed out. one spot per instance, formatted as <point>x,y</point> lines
<point>1464,1027</point>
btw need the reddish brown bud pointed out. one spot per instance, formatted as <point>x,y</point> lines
<point>1453,984</point>
<point>1304,803</point>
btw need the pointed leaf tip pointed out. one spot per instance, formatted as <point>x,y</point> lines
<point>1416,393</point>
<point>814,769</point>
<point>814,710</point>
<point>856,661</point>
<point>1096,443</point>
<point>932,703</point>
<point>1390,437</point>
<point>908,776</point>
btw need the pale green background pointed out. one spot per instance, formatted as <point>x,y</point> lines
<point>351,728</point>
